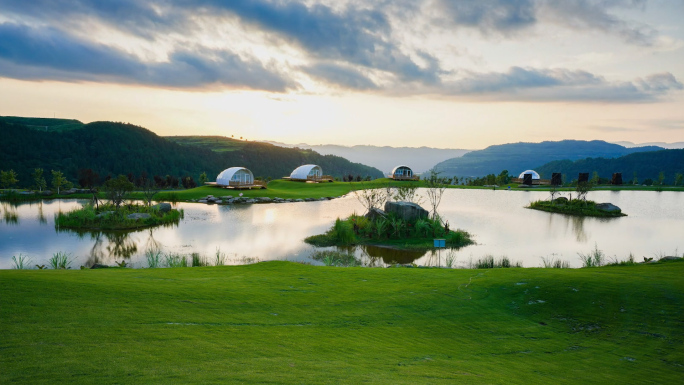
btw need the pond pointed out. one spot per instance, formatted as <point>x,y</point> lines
<point>246,233</point>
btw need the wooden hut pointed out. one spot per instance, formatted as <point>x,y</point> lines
<point>403,173</point>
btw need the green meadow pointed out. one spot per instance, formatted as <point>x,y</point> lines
<point>288,323</point>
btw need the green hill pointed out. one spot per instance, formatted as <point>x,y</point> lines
<point>118,148</point>
<point>518,157</point>
<point>644,164</point>
<point>44,124</point>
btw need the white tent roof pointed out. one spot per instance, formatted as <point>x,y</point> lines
<point>226,175</point>
<point>398,167</point>
<point>534,174</point>
<point>302,172</point>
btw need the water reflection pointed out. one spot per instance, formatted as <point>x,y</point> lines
<point>500,224</point>
<point>119,244</point>
<point>9,213</point>
<point>390,255</point>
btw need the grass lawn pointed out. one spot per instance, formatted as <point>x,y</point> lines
<point>282,322</point>
<point>297,190</point>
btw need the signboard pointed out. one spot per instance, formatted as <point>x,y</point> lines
<point>440,243</point>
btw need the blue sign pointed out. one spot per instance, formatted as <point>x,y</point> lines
<point>440,242</point>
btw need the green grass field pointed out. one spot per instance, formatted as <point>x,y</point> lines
<point>287,323</point>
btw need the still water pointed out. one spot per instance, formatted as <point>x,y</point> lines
<point>498,220</point>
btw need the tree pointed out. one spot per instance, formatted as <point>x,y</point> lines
<point>8,178</point>
<point>635,180</point>
<point>583,189</point>
<point>39,182</point>
<point>406,192</point>
<point>203,178</point>
<point>58,180</point>
<point>595,178</point>
<point>679,179</point>
<point>503,178</point>
<point>436,186</point>
<point>370,198</point>
<point>88,178</point>
<point>149,190</point>
<point>117,188</point>
<point>661,178</point>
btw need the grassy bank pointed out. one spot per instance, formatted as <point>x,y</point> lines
<point>390,231</point>
<point>108,217</point>
<point>575,207</point>
<point>281,322</point>
<point>297,190</point>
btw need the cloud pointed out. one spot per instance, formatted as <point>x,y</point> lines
<point>342,76</point>
<point>560,85</point>
<point>509,17</point>
<point>49,54</point>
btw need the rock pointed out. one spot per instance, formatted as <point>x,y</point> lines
<point>265,200</point>
<point>137,216</point>
<point>99,266</point>
<point>562,200</point>
<point>104,214</point>
<point>47,192</point>
<point>297,200</point>
<point>202,201</point>
<point>26,193</point>
<point>68,192</point>
<point>375,214</point>
<point>608,207</point>
<point>250,201</point>
<point>162,207</point>
<point>227,197</point>
<point>406,210</point>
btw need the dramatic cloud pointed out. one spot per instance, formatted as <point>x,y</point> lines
<point>35,53</point>
<point>341,76</point>
<point>360,46</point>
<point>561,84</point>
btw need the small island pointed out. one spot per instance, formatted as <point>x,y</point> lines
<point>404,226</point>
<point>578,207</point>
<point>124,217</point>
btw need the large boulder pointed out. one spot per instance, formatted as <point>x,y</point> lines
<point>608,207</point>
<point>375,213</point>
<point>162,207</point>
<point>407,211</point>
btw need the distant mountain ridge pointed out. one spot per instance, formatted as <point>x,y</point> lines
<point>118,148</point>
<point>646,165</point>
<point>385,158</point>
<point>669,146</point>
<point>518,157</point>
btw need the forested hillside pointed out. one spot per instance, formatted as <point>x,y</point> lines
<point>518,157</point>
<point>110,148</point>
<point>646,165</point>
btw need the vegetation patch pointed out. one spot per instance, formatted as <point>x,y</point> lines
<point>390,231</point>
<point>109,217</point>
<point>576,207</point>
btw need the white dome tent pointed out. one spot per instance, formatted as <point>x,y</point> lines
<point>403,173</point>
<point>309,173</point>
<point>237,177</point>
<point>535,175</point>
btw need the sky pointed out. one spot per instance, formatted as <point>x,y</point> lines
<point>437,73</point>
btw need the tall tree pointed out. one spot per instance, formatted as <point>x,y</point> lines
<point>58,180</point>
<point>116,189</point>
<point>8,178</point>
<point>39,182</point>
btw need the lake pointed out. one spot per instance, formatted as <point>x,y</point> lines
<point>500,224</point>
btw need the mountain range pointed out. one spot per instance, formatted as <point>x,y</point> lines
<point>385,158</point>
<point>518,157</point>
